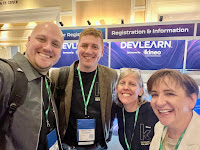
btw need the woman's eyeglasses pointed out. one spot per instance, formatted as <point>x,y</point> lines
<point>130,69</point>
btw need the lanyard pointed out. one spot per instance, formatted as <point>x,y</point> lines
<point>49,97</point>
<point>82,90</point>
<point>178,143</point>
<point>136,116</point>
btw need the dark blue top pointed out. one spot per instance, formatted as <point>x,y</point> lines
<point>144,129</point>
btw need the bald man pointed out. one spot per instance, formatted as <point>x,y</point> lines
<point>34,123</point>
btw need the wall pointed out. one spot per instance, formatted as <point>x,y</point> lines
<point>66,5</point>
<point>108,11</point>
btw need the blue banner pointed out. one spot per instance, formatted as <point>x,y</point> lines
<point>193,55</point>
<point>69,55</point>
<point>198,29</point>
<point>73,34</point>
<point>148,55</point>
<point>197,107</point>
<point>173,30</point>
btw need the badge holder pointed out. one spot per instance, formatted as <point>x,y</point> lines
<point>52,140</point>
<point>85,131</point>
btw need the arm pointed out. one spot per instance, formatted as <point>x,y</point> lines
<point>54,79</point>
<point>113,115</point>
<point>54,82</point>
<point>113,109</point>
<point>6,83</point>
<point>1,92</point>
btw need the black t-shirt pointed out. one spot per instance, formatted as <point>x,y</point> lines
<point>77,110</point>
<point>144,129</point>
<point>43,143</point>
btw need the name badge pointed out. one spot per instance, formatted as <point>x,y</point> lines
<point>52,140</point>
<point>85,131</point>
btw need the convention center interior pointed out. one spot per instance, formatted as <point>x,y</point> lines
<point>145,34</point>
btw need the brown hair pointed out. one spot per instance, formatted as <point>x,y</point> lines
<point>136,73</point>
<point>182,80</point>
<point>92,31</point>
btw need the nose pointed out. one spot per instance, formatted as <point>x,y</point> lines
<point>88,50</point>
<point>160,100</point>
<point>126,87</point>
<point>48,46</point>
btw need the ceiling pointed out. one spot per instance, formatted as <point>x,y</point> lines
<point>173,10</point>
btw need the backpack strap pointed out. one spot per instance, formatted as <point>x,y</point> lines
<point>17,96</point>
<point>62,81</point>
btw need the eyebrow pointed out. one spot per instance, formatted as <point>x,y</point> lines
<point>42,35</point>
<point>170,90</point>
<point>91,43</point>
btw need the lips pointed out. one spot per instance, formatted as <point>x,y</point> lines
<point>43,55</point>
<point>126,95</point>
<point>88,57</point>
<point>165,111</point>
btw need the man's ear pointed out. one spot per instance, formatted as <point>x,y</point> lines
<point>29,38</point>
<point>102,52</point>
<point>193,100</point>
<point>28,41</point>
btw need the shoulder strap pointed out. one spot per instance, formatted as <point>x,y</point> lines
<point>17,96</point>
<point>62,81</point>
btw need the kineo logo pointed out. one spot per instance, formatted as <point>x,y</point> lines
<point>150,53</point>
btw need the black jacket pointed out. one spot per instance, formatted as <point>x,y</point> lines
<point>144,129</point>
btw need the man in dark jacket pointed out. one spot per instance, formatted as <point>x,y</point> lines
<point>34,123</point>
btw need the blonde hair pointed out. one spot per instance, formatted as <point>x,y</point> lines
<point>136,73</point>
<point>92,31</point>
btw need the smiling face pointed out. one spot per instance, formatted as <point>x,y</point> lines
<point>170,102</point>
<point>89,50</point>
<point>128,90</point>
<point>44,46</point>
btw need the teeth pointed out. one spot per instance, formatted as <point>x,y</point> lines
<point>164,111</point>
<point>44,55</point>
<point>126,94</point>
<point>88,57</point>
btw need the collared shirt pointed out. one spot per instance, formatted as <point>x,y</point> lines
<point>43,144</point>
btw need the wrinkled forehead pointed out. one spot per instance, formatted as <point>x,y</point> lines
<point>167,81</point>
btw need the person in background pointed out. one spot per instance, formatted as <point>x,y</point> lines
<point>136,118</point>
<point>174,96</point>
<point>88,100</point>
<point>36,118</point>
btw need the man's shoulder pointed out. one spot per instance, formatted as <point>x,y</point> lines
<point>54,73</point>
<point>5,68</point>
<point>6,77</point>
<point>54,70</point>
<point>107,69</point>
